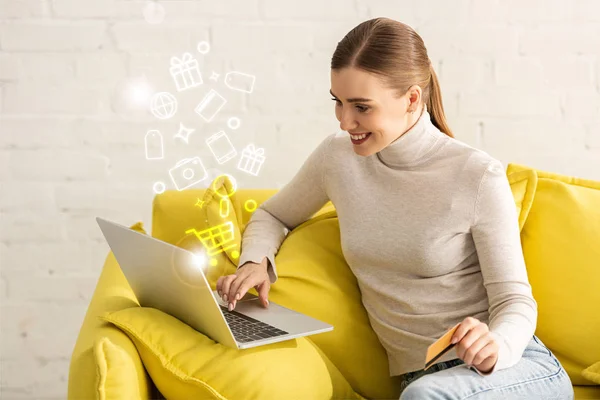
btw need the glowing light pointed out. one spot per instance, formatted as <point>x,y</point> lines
<point>200,261</point>
<point>138,93</point>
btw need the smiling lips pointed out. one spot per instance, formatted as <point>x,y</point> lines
<point>359,138</point>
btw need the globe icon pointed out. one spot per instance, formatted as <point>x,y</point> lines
<point>163,105</point>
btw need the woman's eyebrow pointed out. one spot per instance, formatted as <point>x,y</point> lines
<point>353,100</point>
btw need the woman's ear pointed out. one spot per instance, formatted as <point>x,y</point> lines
<point>413,95</point>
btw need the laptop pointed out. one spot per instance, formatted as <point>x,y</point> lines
<point>171,279</point>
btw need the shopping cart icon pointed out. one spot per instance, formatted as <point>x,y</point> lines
<point>216,240</point>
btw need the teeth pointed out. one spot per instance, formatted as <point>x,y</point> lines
<point>359,137</point>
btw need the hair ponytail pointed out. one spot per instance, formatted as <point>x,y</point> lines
<point>435,106</point>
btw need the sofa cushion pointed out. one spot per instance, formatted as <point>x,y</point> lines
<point>205,221</point>
<point>115,372</point>
<point>219,206</point>
<point>560,241</point>
<point>523,185</point>
<point>592,373</point>
<point>185,364</point>
<point>315,279</point>
<point>215,235</point>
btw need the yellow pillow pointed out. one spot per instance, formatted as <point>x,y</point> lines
<point>185,364</point>
<point>221,211</point>
<point>523,185</point>
<point>560,241</point>
<point>206,222</point>
<point>115,372</point>
<point>592,373</point>
<point>315,279</point>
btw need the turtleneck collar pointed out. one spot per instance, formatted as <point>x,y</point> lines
<point>414,146</point>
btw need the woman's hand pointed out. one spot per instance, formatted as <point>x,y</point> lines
<point>475,345</point>
<point>233,287</point>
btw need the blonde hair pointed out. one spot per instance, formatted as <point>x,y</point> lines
<point>397,54</point>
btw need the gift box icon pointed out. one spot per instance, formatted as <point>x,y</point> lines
<point>186,72</point>
<point>252,159</point>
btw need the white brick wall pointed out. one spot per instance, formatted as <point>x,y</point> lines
<point>520,79</point>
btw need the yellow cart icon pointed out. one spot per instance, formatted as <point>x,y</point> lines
<point>216,240</point>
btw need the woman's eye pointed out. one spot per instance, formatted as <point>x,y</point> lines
<point>360,108</point>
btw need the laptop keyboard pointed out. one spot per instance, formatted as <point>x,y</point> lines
<point>246,329</point>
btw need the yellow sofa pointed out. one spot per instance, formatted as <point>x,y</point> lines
<point>125,351</point>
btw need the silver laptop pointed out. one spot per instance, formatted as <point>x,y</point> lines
<point>171,279</point>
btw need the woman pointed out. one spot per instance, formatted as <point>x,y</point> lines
<point>428,226</point>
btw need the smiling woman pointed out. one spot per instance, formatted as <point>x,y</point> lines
<point>428,226</point>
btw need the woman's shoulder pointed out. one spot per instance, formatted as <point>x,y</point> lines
<point>473,153</point>
<point>471,160</point>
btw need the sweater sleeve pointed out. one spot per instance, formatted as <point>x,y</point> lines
<point>293,204</point>
<point>496,234</point>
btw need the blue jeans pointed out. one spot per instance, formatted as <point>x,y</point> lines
<point>537,375</point>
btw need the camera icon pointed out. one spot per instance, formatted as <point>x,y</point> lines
<point>187,173</point>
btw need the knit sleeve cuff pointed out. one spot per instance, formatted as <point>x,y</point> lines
<point>503,359</point>
<point>256,254</point>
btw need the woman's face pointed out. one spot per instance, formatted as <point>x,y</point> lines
<point>364,106</point>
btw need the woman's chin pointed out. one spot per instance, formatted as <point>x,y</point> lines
<point>364,151</point>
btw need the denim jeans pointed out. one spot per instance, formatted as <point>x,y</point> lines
<point>537,375</point>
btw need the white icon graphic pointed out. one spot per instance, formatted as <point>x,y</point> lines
<point>187,172</point>
<point>252,159</point>
<point>233,123</point>
<point>203,47</point>
<point>154,13</point>
<point>185,72</point>
<point>240,81</point>
<point>163,105</point>
<point>221,147</point>
<point>184,133</point>
<point>154,145</point>
<point>159,187</point>
<point>210,105</point>
<point>214,76</point>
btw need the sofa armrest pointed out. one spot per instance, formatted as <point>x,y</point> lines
<point>112,293</point>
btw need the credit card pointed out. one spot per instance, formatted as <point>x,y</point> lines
<point>440,347</point>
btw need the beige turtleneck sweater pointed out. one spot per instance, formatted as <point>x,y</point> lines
<point>428,227</point>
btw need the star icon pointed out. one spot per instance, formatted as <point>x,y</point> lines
<point>199,203</point>
<point>184,133</point>
<point>214,76</point>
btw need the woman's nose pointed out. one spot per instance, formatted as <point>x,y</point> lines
<point>347,122</point>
